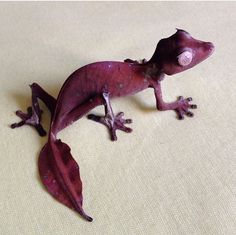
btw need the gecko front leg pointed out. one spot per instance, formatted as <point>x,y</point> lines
<point>111,121</point>
<point>181,106</point>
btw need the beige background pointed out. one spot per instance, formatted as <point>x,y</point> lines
<point>168,176</point>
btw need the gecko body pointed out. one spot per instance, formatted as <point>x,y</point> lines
<point>95,84</point>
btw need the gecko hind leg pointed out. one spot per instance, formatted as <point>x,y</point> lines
<point>33,115</point>
<point>111,121</point>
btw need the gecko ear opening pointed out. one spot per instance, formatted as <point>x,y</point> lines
<point>185,58</point>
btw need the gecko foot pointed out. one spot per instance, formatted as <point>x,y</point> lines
<point>184,106</point>
<point>113,123</point>
<point>31,118</point>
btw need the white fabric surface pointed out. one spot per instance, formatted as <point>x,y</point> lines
<point>168,176</point>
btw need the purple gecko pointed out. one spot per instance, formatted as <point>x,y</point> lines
<point>95,84</point>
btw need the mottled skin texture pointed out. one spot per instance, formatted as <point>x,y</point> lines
<point>95,84</point>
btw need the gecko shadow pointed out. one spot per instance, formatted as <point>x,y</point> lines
<point>138,103</point>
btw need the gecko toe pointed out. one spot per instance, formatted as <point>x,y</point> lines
<point>193,106</point>
<point>120,115</point>
<point>180,115</point>
<point>113,135</point>
<point>94,117</point>
<point>128,121</point>
<point>19,124</point>
<point>189,114</point>
<point>125,129</point>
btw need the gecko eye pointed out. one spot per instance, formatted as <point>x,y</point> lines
<point>185,58</point>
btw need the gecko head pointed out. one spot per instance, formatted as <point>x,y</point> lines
<point>180,52</point>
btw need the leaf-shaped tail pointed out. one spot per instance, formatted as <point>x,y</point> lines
<point>59,172</point>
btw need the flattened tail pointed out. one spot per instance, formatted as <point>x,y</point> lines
<point>59,173</point>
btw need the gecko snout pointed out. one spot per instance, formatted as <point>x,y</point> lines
<point>208,46</point>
